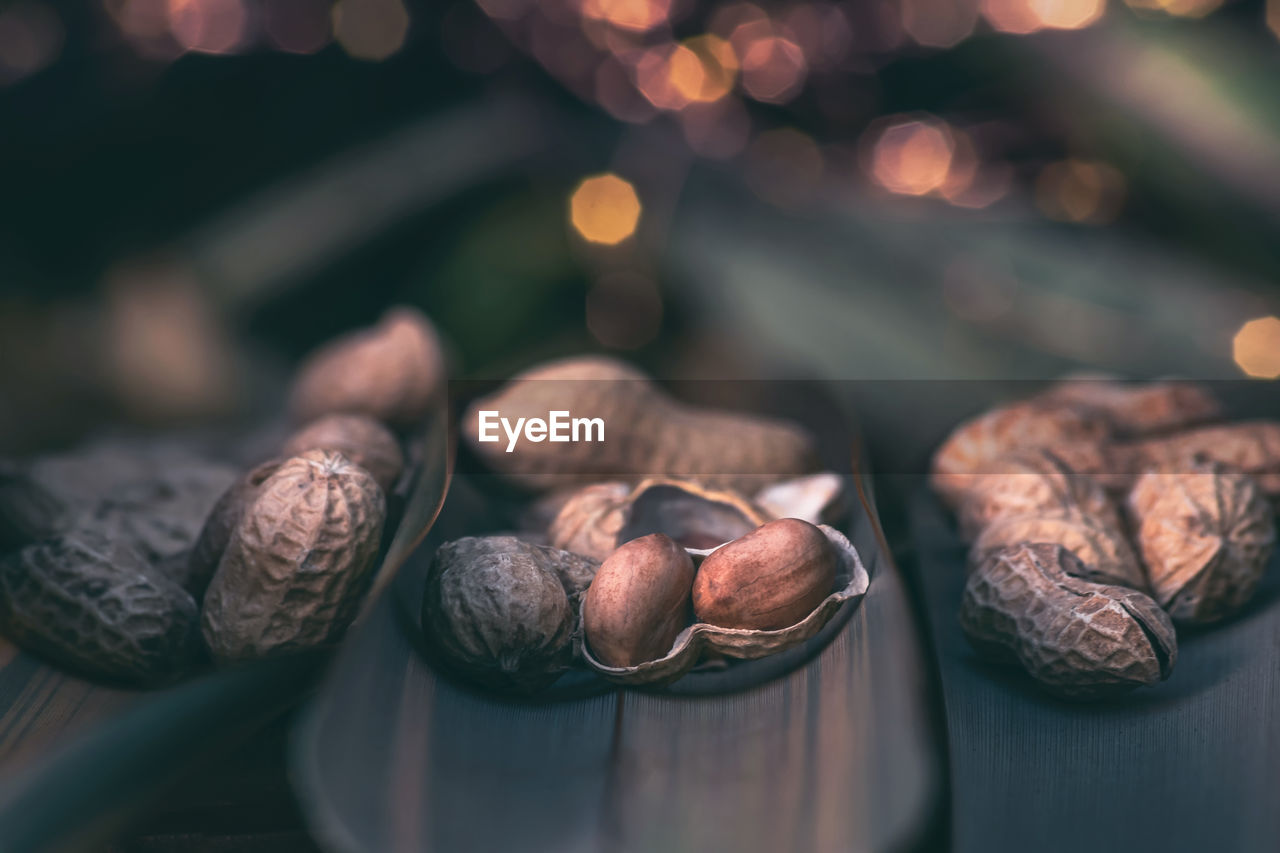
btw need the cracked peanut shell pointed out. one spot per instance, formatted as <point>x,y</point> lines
<point>1252,447</point>
<point>1205,536</point>
<point>298,561</point>
<point>502,611</point>
<point>95,606</point>
<point>1027,604</point>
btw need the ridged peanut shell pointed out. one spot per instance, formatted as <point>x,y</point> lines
<point>1104,552</point>
<point>1205,536</point>
<point>497,609</point>
<point>96,606</point>
<point>1252,447</point>
<point>393,371</point>
<point>1140,408</point>
<point>1034,482</point>
<point>639,601</point>
<point>298,561</point>
<point>1081,640</point>
<point>647,433</point>
<point>202,561</point>
<point>769,579</point>
<point>360,438</point>
<point>973,447</point>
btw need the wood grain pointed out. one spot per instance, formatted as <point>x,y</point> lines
<point>1188,765</point>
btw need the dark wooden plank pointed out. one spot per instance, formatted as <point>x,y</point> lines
<point>1189,765</point>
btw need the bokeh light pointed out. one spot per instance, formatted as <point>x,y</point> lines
<point>1273,16</point>
<point>604,209</point>
<point>1011,16</point>
<point>719,130</point>
<point>773,69</point>
<point>912,157</point>
<point>30,39</point>
<point>1067,14</point>
<point>634,15</point>
<point>1177,8</point>
<point>1256,348</point>
<point>370,29</point>
<point>703,69</point>
<point>298,26</point>
<point>208,26</point>
<point>1080,191</point>
<point>624,310</point>
<point>939,23</point>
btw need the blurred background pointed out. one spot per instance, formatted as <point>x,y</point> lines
<point>199,191</point>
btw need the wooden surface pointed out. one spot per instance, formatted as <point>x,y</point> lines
<point>840,754</point>
<point>41,707</point>
<point>1190,765</point>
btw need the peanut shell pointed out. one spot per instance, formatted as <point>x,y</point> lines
<point>973,447</point>
<point>1081,640</point>
<point>1205,535</point>
<point>393,371</point>
<point>498,610</point>
<point>95,606</point>
<point>298,562</point>
<point>215,535</point>
<point>360,438</point>
<point>1136,409</point>
<point>1104,553</point>
<point>1252,447</point>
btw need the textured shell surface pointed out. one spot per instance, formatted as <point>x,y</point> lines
<point>497,608</point>
<point>360,438</point>
<point>298,561</point>
<point>1104,552</point>
<point>219,524</point>
<point>1078,639</point>
<point>392,372</point>
<point>1205,536</point>
<point>1140,408</point>
<point>95,606</point>
<point>975,445</point>
<point>1252,447</point>
<point>1032,483</point>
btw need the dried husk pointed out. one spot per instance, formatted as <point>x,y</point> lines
<point>702,639</point>
<point>503,611</point>
<point>1104,552</point>
<point>298,561</point>
<point>815,498</point>
<point>1252,447</point>
<point>1080,640</point>
<point>648,433</point>
<point>973,447</point>
<point>601,517</point>
<point>204,556</point>
<point>1205,536</point>
<point>1137,409</point>
<point>1032,483</point>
